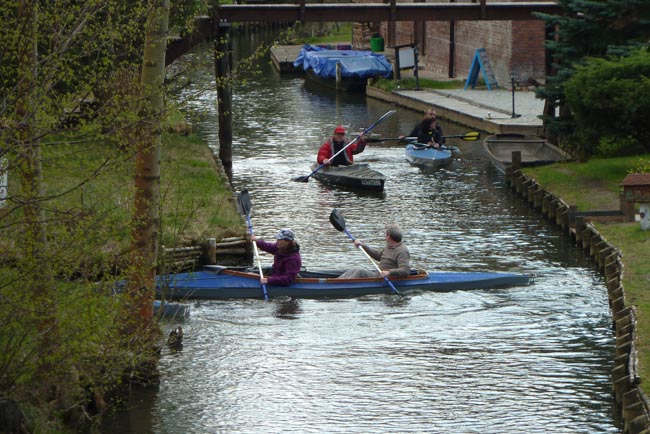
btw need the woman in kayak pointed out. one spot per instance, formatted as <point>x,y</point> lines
<point>286,258</point>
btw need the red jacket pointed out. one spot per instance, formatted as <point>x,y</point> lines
<point>327,150</point>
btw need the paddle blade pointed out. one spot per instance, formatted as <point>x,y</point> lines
<point>388,114</point>
<point>337,220</point>
<point>244,202</point>
<point>470,137</point>
<point>301,179</point>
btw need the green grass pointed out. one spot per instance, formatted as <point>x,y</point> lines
<point>92,181</point>
<point>593,185</point>
<point>409,84</point>
<point>634,244</point>
<point>342,34</point>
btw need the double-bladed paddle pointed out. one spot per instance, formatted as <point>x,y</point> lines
<point>244,203</point>
<point>338,222</point>
<point>353,141</point>
<point>470,137</point>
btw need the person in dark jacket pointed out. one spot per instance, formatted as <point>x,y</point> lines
<point>286,258</point>
<point>429,134</point>
<point>429,114</point>
<point>335,144</point>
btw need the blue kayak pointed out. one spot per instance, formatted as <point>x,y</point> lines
<point>217,282</point>
<point>424,155</point>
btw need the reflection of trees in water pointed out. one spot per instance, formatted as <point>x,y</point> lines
<point>288,308</point>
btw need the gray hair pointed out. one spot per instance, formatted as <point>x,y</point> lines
<point>394,232</point>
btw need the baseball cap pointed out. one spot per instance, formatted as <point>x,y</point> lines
<point>285,234</point>
<point>339,130</point>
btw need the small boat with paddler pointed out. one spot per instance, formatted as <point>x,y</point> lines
<point>220,282</point>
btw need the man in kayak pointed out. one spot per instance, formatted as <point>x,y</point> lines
<point>286,258</point>
<point>429,114</point>
<point>334,145</point>
<point>394,259</point>
<point>429,134</point>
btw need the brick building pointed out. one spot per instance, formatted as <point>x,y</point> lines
<point>512,46</point>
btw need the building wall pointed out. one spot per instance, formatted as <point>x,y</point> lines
<point>512,46</point>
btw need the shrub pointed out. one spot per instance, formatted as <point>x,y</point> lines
<point>610,99</point>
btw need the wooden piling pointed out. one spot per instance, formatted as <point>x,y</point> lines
<point>580,227</point>
<point>616,292</point>
<point>212,251</point>
<point>552,207</point>
<point>516,160</point>
<point>538,197</point>
<point>223,65</point>
<point>638,425</point>
<point>530,194</point>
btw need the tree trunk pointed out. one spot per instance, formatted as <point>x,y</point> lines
<point>146,217</point>
<point>37,277</point>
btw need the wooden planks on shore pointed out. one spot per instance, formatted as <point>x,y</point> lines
<point>190,257</point>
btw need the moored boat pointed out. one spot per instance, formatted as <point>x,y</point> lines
<point>346,70</point>
<point>357,176</point>
<point>216,282</point>
<point>424,155</point>
<point>535,151</point>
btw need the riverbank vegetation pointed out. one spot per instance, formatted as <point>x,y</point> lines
<point>597,97</point>
<point>94,186</point>
<point>409,83</point>
<point>593,186</point>
<point>322,33</point>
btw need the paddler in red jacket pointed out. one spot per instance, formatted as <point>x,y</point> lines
<point>335,144</point>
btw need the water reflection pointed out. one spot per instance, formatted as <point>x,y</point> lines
<point>287,309</point>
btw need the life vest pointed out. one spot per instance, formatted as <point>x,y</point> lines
<point>343,159</point>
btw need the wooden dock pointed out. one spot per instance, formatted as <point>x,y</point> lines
<point>283,56</point>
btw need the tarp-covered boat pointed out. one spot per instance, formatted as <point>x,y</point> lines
<point>357,176</point>
<point>216,282</point>
<point>535,151</point>
<point>424,155</point>
<point>354,66</point>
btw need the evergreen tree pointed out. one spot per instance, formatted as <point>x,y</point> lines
<point>588,28</point>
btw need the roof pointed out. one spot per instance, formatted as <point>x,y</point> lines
<point>636,179</point>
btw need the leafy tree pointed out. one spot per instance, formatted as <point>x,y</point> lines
<point>147,165</point>
<point>610,101</point>
<point>69,103</point>
<point>587,28</point>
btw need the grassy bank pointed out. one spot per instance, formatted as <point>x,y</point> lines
<point>409,83</point>
<point>196,201</point>
<point>593,186</point>
<point>87,209</point>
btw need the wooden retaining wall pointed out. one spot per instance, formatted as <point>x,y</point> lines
<point>633,405</point>
<point>209,252</point>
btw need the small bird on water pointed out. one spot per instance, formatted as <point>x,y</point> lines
<point>175,339</point>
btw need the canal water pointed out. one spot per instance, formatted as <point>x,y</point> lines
<point>523,359</point>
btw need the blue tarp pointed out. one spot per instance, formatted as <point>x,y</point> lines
<point>361,64</point>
